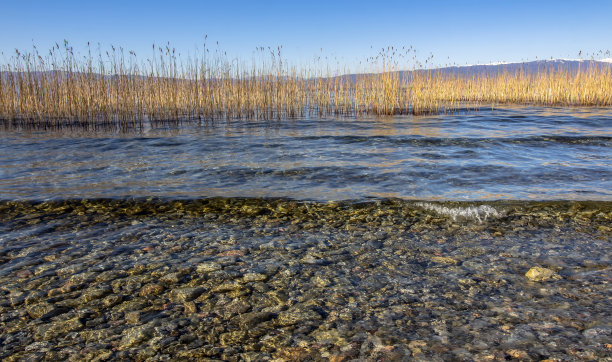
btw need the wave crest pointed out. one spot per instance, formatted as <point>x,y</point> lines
<point>480,213</point>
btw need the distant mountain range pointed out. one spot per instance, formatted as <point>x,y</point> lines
<point>533,67</point>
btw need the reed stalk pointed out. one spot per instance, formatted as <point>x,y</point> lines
<point>115,89</point>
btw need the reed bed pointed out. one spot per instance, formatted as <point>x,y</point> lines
<point>115,89</point>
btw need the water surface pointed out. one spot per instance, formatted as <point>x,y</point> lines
<point>518,153</point>
<point>311,239</point>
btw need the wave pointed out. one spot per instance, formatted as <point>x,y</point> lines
<point>480,213</point>
<point>599,140</point>
<point>372,214</point>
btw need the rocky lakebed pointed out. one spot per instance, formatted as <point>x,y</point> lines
<point>276,279</point>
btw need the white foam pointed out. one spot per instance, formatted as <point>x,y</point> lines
<point>479,213</point>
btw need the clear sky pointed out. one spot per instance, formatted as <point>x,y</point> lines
<point>460,32</point>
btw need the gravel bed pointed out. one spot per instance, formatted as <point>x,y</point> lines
<point>257,280</point>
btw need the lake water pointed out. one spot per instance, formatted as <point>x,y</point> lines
<point>380,238</point>
<point>517,154</point>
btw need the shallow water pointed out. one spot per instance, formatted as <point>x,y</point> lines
<point>333,239</point>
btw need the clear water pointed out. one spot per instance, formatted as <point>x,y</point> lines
<point>514,153</point>
<point>162,243</point>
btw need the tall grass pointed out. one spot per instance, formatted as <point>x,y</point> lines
<point>115,89</point>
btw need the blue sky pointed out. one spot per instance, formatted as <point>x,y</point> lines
<point>460,32</point>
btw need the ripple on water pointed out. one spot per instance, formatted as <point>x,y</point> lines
<point>514,153</point>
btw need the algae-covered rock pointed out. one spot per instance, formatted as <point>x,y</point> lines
<point>254,277</point>
<point>185,294</point>
<point>112,300</point>
<point>237,306</point>
<point>297,316</point>
<point>171,278</point>
<point>135,335</point>
<point>444,260</point>
<point>227,287</point>
<point>95,293</point>
<point>62,328</point>
<point>208,267</point>
<point>132,317</point>
<point>42,309</point>
<point>249,320</point>
<point>151,289</point>
<point>234,337</point>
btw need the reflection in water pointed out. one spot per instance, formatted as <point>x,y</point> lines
<point>514,153</point>
<point>426,127</point>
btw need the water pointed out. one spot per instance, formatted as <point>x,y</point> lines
<point>312,239</point>
<point>515,154</point>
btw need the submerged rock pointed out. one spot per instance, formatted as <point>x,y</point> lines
<point>250,320</point>
<point>61,328</point>
<point>111,300</point>
<point>227,287</point>
<point>297,316</point>
<point>539,274</point>
<point>208,267</point>
<point>151,289</point>
<point>254,277</point>
<point>42,310</point>
<point>444,260</point>
<point>185,294</point>
<point>135,335</point>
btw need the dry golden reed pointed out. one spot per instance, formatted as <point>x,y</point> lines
<point>113,88</point>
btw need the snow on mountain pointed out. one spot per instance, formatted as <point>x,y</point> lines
<point>570,65</point>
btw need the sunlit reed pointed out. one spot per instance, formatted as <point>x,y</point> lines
<point>115,89</point>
